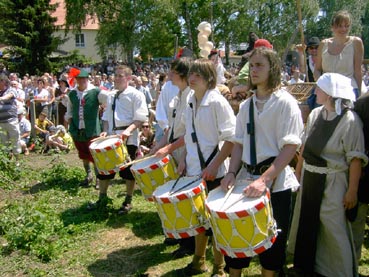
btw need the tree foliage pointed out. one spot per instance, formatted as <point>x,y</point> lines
<point>320,25</point>
<point>154,27</point>
<point>27,26</point>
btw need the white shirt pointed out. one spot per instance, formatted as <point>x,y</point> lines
<point>24,126</point>
<point>42,94</point>
<point>279,123</point>
<point>220,73</point>
<point>214,123</point>
<point>178,107</point>
<point>176,111</point>
<point>167,93</point>
<point>130,106</point>
<point>293,81</point>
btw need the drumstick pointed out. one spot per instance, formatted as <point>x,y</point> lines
<point>227,196</point>
<point>189,184</point>
<point>238,200</point>
<point>137,160</point>
<point>175,183</point>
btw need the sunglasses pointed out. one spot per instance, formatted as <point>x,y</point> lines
<point>145,126</point>
<point>313,47</point>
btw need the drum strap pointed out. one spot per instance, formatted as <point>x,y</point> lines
<point>171,137</point>
<point>203,163</point>
<point>113,108</point>
<point>251,132</point>
<point>312,190</point>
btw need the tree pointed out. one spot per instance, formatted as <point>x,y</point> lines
<point>126,23</point>
<point>27,26</point>
<point>320,25</point>
<point>365,36</point>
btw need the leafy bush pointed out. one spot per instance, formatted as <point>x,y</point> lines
<point>63,176</point>
<point>9,171</point>
<point>33,227</point>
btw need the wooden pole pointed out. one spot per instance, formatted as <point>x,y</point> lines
<point>32,115</point>
<point>298,2</point>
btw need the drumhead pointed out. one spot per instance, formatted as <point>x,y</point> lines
<point>103,143</point>
<point>236,201</point>
<point>186,186</point>
<point>148,162</point>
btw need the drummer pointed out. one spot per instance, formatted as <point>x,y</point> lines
<point>209,122</point>
<point>83,118</point>
<point>173,140</point>
<point>125,112</point>
<point>277,130</point>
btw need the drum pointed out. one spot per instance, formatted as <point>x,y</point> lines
<point>242,226</point>
<point>153,172</point>
<point>181,207</point>
<point>109,154</point>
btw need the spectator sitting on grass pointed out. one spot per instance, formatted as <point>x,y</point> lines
<point>42,126</point>
<point>24,130</point>
<point>61,140</point>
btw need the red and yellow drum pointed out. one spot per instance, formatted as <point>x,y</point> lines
<point>153,172</point>
<point>242,227</point>
<point>182,208</point>
<point>109,154</point>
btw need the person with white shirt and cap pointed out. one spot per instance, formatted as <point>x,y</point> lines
<point>329,170</point>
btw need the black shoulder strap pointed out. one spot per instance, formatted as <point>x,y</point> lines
<point>113,108</point>
<point>171,137</point>
<point>203,163</point>
<point>251,132</point>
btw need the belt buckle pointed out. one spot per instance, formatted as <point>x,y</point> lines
<point>264,168</point>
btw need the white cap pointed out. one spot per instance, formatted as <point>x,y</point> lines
<point>337,86</point>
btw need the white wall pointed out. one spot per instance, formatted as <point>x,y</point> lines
<point>90,50</point>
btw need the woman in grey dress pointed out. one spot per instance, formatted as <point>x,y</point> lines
<point>329,172</point>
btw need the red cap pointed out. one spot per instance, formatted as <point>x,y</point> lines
<point>262,43</point>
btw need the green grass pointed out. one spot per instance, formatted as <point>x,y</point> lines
<point>45,230</point>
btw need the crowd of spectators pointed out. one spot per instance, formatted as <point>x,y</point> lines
<point>50,91</point>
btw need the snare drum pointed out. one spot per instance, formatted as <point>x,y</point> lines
<point>182,212</point>
<point>242,226</point>
<point>109,154</point>
<point>153,172</point>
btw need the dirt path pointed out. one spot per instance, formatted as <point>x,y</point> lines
<point>41,161</point>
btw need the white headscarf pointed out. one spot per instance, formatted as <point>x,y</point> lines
<point>337,86</point>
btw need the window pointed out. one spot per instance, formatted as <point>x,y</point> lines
<point>80,40</point>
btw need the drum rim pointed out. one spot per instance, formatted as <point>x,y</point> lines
<point>115,145</point>
<point>235,214</point>
<point>165,160</point>
<point>232,252</point>
<point>174,198</point>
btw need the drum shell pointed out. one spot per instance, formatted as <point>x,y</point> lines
<point>152,173</point>
<point>182,214</point>
<point>109,154</point>
<point>241,229</point>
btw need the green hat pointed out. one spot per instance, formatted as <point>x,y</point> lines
<point>82,74</point>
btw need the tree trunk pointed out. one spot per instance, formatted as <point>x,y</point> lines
<point>188,25</point>
<point>226,49</point>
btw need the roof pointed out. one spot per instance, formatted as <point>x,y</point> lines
<point>92,23</point>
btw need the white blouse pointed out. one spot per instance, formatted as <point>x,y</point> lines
<point>214,123</point>
<point>130,106</point>
<point>279,123</point>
